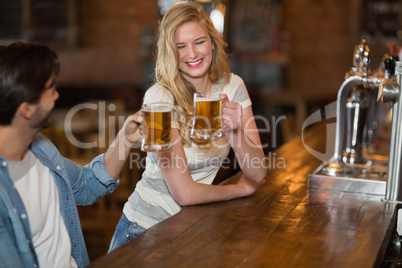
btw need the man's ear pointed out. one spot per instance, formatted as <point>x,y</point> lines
<point>26,110</point>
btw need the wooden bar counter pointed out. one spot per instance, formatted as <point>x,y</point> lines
<point>283,224</point>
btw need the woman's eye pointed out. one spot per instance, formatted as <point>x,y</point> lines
<point>180,47</point>
<point>201,42</point>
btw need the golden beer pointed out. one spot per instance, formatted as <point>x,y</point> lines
<point>208,115</point>
<point>157,131</point>
<point>207,118</point>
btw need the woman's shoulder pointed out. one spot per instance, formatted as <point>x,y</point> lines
<point>155,89</point>
<point>157,93</point>
<point>237,91</point>
<point>235,79</point>
<point>232,81</point>
<point>234,84</point>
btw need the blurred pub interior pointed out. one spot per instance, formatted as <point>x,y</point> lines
<point>292,55</point>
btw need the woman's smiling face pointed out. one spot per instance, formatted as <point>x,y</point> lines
<point>195,50</point>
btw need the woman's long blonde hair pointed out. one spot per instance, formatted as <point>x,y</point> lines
<point>167,72</point>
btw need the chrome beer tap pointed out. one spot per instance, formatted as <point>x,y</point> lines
<point>351,168</point>
<point>352,105</point>
<point>389,91</point>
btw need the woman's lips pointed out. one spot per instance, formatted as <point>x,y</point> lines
<point>194,64</point>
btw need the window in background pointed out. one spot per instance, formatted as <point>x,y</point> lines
<point>380,22</point>
<point>255,26</point>
<point>11,20</point>
<point>54,22</point>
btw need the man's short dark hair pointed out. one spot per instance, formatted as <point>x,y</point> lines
<point>24,70</point>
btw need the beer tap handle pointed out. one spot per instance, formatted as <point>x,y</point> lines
<point>388,91</point>
<point>361,60</point>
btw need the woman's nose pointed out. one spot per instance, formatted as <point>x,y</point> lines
<point>192,52</point>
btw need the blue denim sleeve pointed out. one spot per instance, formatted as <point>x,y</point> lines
<point>91,182</point>
<point>97,165</point>
<point>9,257</point>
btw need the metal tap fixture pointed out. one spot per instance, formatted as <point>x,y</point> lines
<point>348,169</point>
<point>389,91</point>
<point>353,106</point>
<point>357,106</point>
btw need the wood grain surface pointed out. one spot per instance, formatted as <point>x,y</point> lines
<point>284,224</point>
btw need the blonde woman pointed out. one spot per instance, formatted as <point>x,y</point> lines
<point>191,58</point>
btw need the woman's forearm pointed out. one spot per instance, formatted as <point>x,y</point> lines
<point>249,155</point>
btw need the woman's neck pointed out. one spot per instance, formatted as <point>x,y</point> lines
<point>203,86</point>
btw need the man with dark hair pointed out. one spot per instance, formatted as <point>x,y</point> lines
<point>39,189</point>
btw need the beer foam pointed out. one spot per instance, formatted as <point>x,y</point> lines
<point>207,99</point>
<point>157,109</point>
<point>162,109</point>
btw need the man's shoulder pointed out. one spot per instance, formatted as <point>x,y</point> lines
<point>41,143</point>
<point>40,138</point>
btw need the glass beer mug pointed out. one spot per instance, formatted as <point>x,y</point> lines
<point>157,127</point>
<point>206,118</point>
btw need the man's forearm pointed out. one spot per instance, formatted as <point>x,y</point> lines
<point>116,155</point>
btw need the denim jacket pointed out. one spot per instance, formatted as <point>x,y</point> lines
<point>76,185</point>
